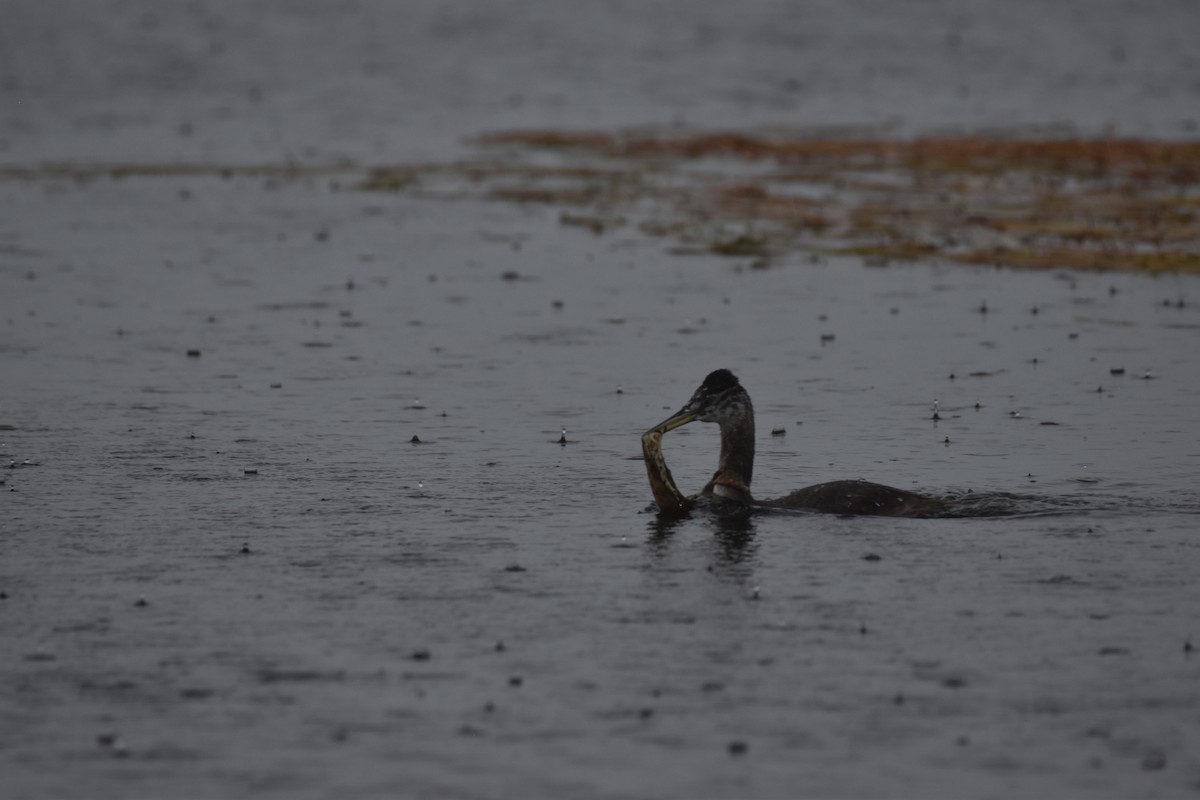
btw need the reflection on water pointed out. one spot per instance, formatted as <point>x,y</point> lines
<point>732,527</point>
<point>734,536</point>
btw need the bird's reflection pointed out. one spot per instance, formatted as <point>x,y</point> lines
<point>733,527</point>
<point>734,536</point>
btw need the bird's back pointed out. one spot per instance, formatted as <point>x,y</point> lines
<point>859,498</point>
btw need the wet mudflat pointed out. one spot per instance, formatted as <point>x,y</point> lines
<point>285,508</point>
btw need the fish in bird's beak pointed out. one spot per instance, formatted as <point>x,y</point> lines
<point>662,485</point>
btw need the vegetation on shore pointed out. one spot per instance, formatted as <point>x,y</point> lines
<point>1101,203</point>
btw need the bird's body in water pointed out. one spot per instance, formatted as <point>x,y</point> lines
<point>721,399</point>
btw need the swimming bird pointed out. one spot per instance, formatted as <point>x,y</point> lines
<point>722,399</point>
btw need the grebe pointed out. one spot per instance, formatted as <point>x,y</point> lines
<point>721,399</point>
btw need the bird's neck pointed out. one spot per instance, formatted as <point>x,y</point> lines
<point>736,464</point>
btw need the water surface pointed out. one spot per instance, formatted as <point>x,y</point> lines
<point>235,572</point>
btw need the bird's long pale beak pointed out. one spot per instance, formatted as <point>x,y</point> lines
<point>677,420</point>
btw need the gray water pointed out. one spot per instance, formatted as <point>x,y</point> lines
<point>233,573</point>
<point>393,593</point>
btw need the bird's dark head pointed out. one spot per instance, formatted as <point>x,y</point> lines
<point>720,398</point>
